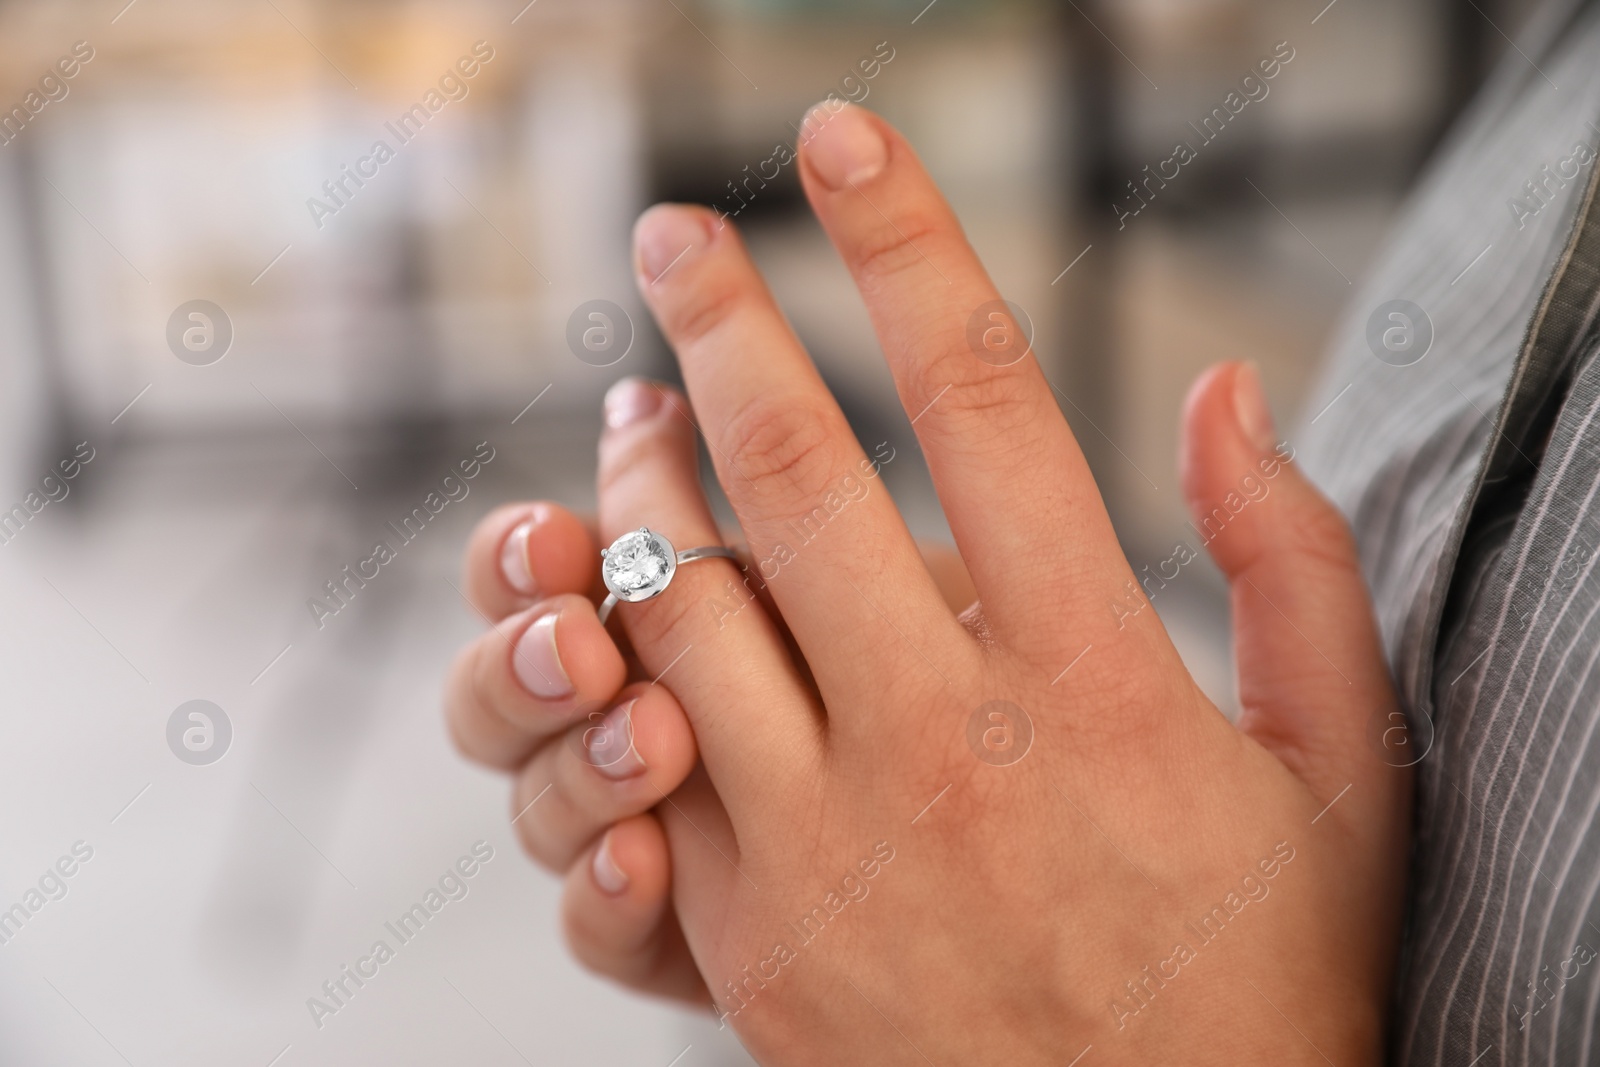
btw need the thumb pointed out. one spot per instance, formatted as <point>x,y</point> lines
<point>1312,678</point>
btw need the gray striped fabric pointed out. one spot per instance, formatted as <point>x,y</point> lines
<point>1472,479</point>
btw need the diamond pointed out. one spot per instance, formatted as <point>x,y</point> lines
<point>638,565</point>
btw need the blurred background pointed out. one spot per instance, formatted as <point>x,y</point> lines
<point>348,356</point>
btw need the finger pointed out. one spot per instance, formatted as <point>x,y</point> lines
<point>617,917</point>
<point>520,553</point>
<point>707,860</point>
<point>827,539</point>
<point>717,648</point>
<point>950,575</point>
<point>1012,479</point>
<point>1312,674</point>
<point>943,563</point>
<point>615,762</point>
<point>529,677</point>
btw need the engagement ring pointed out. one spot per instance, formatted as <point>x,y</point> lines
<point>640,565</point>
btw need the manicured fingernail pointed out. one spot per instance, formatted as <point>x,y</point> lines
<point>629,401</point>
<point>666,235</point>
<point>610,744</point>
<point>1250,408</point>
<point>514,560</point>
<point>843,145</point>
<point>607,875</point>
<point>538,665</point>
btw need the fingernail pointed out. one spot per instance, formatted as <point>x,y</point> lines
<point>1250,408</point>
<point>610,744</point>
<point>537,664</point>
<point>843,145</point>
<point>514,560</point>
<point>629,401</point>
<point>607,875</point>
<point>666,235</point>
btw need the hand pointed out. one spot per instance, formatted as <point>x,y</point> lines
<point>854,876</point>
<point>543,714</point>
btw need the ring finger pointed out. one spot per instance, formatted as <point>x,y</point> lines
<point>706,634</point>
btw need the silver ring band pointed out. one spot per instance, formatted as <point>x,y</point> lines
<point>640,565</point>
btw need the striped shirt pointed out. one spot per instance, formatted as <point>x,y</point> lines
<point>1463,444</point>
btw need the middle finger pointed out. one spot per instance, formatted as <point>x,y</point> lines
<point>1008,470</point>
<point>828,541</point>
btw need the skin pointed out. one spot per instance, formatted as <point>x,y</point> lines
<point>826,749</point>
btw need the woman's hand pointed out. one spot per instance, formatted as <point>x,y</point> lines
<point>590,743</point>
<point>1021,834</point>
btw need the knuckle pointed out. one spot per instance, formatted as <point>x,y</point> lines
<point>618,460</point>
<point>536,831</point>
<point>466,743</point>
<point>782,447</point>
<point>983,397</point>
<point>591,942</point>
<point>476,661</point>
<point>1324,536</point>
<point>974,403</point>
<point>694,312</point>
<point>470,741</point>
<point>488,662</point>
<point>622,457</point>
<point>624,453</point>
<point>662,628</point>
<point>475,696</point>
<point>898,247</point>
<point>483,550</point>
<point>459,694</point>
